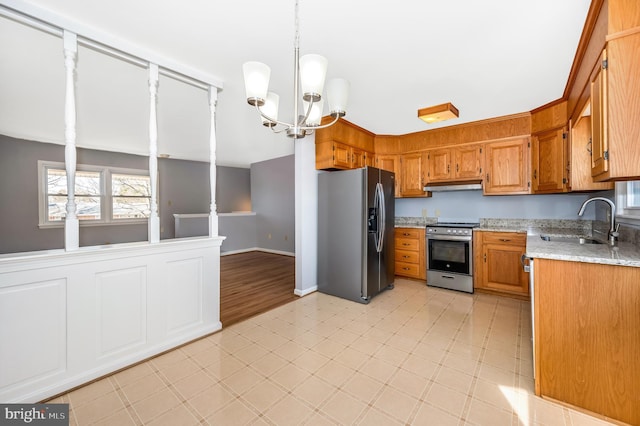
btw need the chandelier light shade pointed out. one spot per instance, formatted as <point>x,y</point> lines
<point>316,112</point>
<point>308,78</point>
<point>338,96</point>
<point>270,109</point>
<point>256,82</point>
<point>313,70</point>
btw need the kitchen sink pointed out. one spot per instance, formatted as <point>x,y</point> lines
<point>574,240</point>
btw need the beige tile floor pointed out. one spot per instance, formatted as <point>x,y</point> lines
<point>415,355</point>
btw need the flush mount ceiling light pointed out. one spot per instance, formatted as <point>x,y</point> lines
<point>308,76</point>
<point>438,113</point>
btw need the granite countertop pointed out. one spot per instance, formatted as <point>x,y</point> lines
<point>626,254</point>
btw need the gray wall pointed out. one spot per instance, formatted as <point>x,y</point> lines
<point>273,199</point>
<point>184,188</point>
<point>240,232</point>
<point>233,189</point>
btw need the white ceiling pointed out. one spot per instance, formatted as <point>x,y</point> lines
<point>489,58</point>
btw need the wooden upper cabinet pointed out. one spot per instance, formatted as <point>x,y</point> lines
<point>361,158</point>
<point>507,170</point>
<point>549,161</point>
<point>339,156</point>
<point>342,155</point>
<point>439,163</point>
<point>412,179</point>
<point>615,89</point>
<point>580,153</point>
<point>468,162</point>
<point>599,140</point>
<point>391,163</point>
<point>343,146</point>
<point>455,164</point>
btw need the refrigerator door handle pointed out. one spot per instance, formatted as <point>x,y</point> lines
<point>381,216</point>
<point>376,217</point>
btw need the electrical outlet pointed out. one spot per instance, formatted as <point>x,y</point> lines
<point>269,236</point>
<point>286,238</point>
<point>424,213</point>
<point>437,213</point>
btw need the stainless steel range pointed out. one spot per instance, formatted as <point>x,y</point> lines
<point>450,256</point>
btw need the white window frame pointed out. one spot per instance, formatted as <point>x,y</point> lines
<point>106,196</point>
<point>624,213</point>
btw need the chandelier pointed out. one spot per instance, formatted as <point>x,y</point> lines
<point>308,74</point>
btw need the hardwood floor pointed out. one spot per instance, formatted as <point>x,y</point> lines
<point>254,282</point>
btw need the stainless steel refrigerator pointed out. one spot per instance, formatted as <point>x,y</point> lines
<point>356,215</point>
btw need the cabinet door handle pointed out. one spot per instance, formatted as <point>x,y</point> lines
<point>406,244</point>
<point>406,234</point>
<point>457,168</point>
<point>485,258</point>
<point>504,240</point>
<point>589,146</point>
<point>488,180</point>
<point>405,256</point>
<point>406,269</point>
<point>535,174</point>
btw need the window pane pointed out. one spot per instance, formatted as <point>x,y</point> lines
<point>56,181</point>
<point>88,208</point>
<point>131,207</point>
<point>87,183</point>
<point>56,207</point>
<point>131,185</point>
<point>633,194</point>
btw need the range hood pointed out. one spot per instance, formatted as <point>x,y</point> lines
<point>453,187</point>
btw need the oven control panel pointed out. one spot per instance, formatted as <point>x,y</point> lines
<point>450,231</point>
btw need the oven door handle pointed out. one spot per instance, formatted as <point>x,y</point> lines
<point>448,238</point>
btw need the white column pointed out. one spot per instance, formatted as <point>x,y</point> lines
<point>213,214</point>
<point>306,192</point>
<point>71,223</point>
<point>154,220</point>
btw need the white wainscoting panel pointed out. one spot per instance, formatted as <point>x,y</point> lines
<point>184,292</point>
<point>67,318</point>
<point>121,310</point>
<point>33,340</point>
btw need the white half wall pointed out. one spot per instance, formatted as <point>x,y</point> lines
<point>67,318</point>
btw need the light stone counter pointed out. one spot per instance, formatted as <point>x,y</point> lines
<point>414,222</point>
<point>623,253</point>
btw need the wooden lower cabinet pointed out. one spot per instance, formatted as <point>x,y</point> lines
<point>587,336</point>
<point>497,263</point>
<point>410,253</point>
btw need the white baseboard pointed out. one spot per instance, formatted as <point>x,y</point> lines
<point>306,291</point>
<point>284,253</point>
<point>247,250</point>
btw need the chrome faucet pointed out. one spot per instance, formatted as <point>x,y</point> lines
<point>613,230</point>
